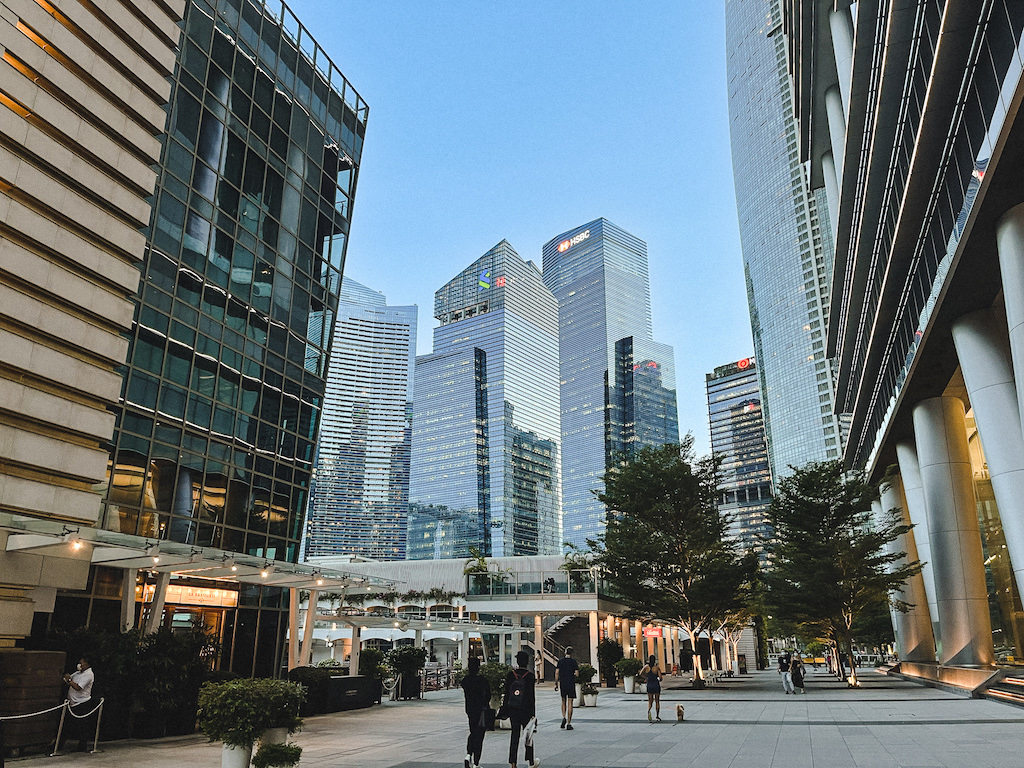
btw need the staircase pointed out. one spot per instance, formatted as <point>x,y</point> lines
<point>1009,689</point>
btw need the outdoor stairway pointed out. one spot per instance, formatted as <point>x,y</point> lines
<point>1009,689</point>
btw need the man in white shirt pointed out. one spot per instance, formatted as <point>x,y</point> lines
<point>80,698</point>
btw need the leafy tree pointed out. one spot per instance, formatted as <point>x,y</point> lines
<point>664,549</point>
<point>830,565</point>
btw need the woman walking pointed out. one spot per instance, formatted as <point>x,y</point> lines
<point>653,673</point>
<point>796,670</point>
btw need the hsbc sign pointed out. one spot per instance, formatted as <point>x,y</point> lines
<point>565,245</point>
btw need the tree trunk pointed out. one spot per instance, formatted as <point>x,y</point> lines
<point>698,673</point>
<point>853,662</point>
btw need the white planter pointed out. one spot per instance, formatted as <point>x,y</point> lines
<point>590,699</point>
<point>579,696</point>
<point>274,736</point>
<point>235,757</point>
<point>629,684</point>
<point>643,687</point>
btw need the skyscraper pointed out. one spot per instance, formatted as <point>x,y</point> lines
<point>612,400</point>
<point>360,497</point>
<point>786,240</point>
<point>485,434</point>
<point>737,436</point>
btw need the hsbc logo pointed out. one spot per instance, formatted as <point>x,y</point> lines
<point>565,245</point>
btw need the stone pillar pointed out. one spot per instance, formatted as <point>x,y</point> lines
<point>983,346</point>
<point>128,577</point>
<point>913,493</point>
<point>624,640</point>
<point>841,24</point>
<point>914,628</point>
<point>639,629</point>
<point>941,435</point>
<point>353,658</point>
<point>593,643</point>
<point>836,130</point>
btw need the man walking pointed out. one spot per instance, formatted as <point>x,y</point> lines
<point>478,696</point>
<point>520,706</point>
<point>567,671</point>
<point>785,669</point>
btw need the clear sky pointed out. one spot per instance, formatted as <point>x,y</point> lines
<point>520,120</point>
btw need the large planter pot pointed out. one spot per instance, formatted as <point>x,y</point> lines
<point>642,687</point>
<point>629,684</point>
<point>590,699</point>
<point>579,696</point>
<point>274,736</point>
<point>235,757</point>
<point>409,687</point>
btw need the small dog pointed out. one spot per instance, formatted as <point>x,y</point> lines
<point>680,712</point>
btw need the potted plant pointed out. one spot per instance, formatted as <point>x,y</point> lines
<point>589,691</point>
<point>406,662</point>
<point>234,713</point>
<point>277,756</point>
<point>629,668</point>
<point>283,701</point>
<point>586,680</point>
<point>495,673</point>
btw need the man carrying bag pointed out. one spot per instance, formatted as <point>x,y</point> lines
<point>478,698</point>
<point>520,706</point>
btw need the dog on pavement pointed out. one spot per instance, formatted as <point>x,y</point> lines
<point>680,712</point>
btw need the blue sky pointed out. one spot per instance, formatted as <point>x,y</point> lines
<point>520,120</point>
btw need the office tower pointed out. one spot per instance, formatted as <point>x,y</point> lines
<point>927,299</point>
<point>613,402</point>
<point>76,173</point>
<point>786,241</point>
<point>737,437</point>
<point>360,497</point>
<point>228,350</point>
<point>485,430</point>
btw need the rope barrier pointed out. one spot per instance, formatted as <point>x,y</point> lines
<point>34,714</point>
<point>89,714</point>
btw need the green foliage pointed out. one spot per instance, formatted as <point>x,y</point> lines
<point>330,664</point>
<point>831,563</point>
<point>371,663</point>
<point>495,673</point>
<point>664,550</point>
<point>588,689</point>
<point>629,667</point>
<point>587,673</point>
<point>276,756</point>
<point>477,562</point>
<point>239,711</point>
<point>406,660</point>
<point>608,654</point>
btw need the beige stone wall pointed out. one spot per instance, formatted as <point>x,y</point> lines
<point>82,93</point>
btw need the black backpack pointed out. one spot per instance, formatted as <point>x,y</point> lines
<point>516,699</point>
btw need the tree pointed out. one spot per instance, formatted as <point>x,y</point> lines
<point>664,549</point>
<point>829,564</point>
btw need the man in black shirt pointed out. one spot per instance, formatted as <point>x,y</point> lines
<point>478,698</point>
<point>520,706</point>
<point>566,672</point>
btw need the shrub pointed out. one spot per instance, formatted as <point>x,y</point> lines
<point>495,673</point>
<point>315,681</point>
<point>371,663</point>
<point>233,712</point>
<point>406,660</point>
<point>629,667</point>
<point>277,756</point>
<point>587,673</point>
<point>608,653</point>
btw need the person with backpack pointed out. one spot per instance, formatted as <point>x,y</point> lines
<point>478,697</point>
<point>785,669</point>
<point>520,706</point>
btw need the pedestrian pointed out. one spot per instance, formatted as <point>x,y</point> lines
<point>79,700</point>
<point>653,673</point>
<point>796,671</point>
<point>520,707</point>
<point>478,697</point>
<point>785,663</point>
<point>566,673</point>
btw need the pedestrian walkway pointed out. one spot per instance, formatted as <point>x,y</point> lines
<point>744,723</point>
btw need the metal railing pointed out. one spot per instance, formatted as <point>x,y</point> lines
<point>496,583</point>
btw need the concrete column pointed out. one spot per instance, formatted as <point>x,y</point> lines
<point>128,577</point>
<point>293,628</point>
<point>517,638</point>
<point>418,641</point>
<point>913,493</point>
<point>306,651</point>
<point>538,641</point>
<point>983,346</point>
<point>841,24</point>
<point>914,628</point>
<point>836,130</point>
<point>156,608</point>
<point>609,627</point>
<point>464,650</point>
<point>353,659</point>
<point>624,637</point>
<point>828,170</point>
<point>941,435</point>
<point>663,648</point>
<point>1010,244</point>
<point>639,629</point>
<point>673,646</point>
<point>593,643</point>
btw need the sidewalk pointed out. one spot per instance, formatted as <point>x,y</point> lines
<point>746,722</point>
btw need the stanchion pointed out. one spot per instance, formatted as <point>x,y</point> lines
<point>60,729</point>
<point>99,717</point>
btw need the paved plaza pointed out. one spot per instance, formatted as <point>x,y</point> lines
<point>745,722</point>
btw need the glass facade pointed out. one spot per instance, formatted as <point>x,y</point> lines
<point>360,496</point>
<point>786,241</point>
<point>485,436</point>
<point>599,274</point>
<point>225,382</point>
<point>737,437</point>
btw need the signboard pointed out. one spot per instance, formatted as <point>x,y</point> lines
<point>178,594</point>
<point>652,632</point>
<point>565,245</point>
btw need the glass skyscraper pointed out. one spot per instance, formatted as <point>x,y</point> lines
<point>485,432</point>
<point>786,240</point>
<point>612,400</point>
<point>360,497</point>
<point>226,370</point>
<point>737,437</point>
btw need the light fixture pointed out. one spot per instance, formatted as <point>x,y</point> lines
<point>319,578</point>
<point>71,537</point>
<point>267,568</point>
<point>428,625</point>
<point>150,549</point>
